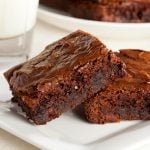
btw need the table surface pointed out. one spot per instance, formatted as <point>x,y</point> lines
<point>43,35</point>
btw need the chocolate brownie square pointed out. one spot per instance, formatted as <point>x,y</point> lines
<point>127,98</point>
<point>61,77</point>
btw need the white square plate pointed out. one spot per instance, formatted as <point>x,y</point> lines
<point>71,132</point>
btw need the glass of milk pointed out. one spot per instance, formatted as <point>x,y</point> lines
<point>17,21</point>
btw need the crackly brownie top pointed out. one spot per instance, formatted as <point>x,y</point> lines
<point>57,60</point>
<point>138,67</point>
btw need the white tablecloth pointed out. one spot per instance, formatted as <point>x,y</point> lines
<point>43,35</point>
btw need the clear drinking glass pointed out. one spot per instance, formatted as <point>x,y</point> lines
<point>17,20</point>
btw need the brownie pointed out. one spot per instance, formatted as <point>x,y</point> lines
<point>61,77</point>
<point>111,10</point>
<point>127,98</point>
<point>57,4</point>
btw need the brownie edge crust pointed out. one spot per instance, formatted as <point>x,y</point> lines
<point>64,75</point>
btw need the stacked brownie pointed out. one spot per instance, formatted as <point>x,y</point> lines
<point>127,98</point>
<point>64,75</point>
<point>105,10</point>
<point>80,69</point>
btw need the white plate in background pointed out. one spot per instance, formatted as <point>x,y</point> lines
<point>115,35</point>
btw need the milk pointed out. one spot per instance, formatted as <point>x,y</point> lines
<point>17,20</point>
<point>17,17</point>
